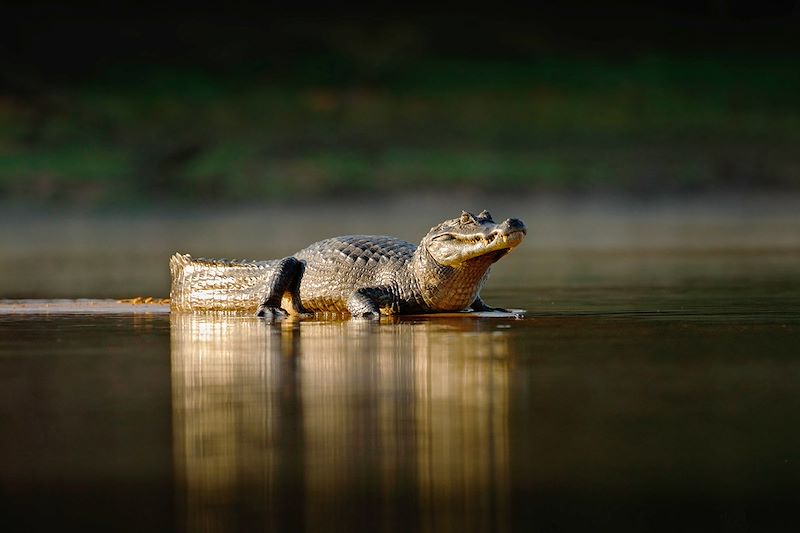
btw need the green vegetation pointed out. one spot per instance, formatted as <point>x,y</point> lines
<point>643,125</point>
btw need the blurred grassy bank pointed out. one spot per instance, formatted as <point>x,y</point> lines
<point>651,124</point>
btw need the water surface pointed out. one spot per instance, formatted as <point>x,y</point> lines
<point>672,409</point>
<point>651,385</point>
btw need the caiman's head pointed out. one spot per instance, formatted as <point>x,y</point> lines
<point>456,241</point>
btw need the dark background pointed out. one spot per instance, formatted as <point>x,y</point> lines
<point>135,105</point>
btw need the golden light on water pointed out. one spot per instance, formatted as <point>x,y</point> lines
<point>305,420</point>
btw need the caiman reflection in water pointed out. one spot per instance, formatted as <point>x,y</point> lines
<point>392,426</point>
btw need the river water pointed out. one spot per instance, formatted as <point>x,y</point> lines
<point>652,384</point>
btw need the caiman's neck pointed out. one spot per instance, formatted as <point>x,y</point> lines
<point>446,288</point>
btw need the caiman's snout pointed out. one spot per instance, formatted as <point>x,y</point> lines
<point>512,231</point>
<point>455,241</point>
<point>504,236</point>
<point>514,224</point>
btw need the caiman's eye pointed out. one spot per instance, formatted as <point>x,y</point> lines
<point>443,237</point>
<point>485,216</point>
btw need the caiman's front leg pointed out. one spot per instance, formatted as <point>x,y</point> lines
<point>286,278</point>
<point>368,301</point>
<point>480,305</point>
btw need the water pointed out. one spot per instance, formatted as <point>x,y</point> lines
<point>650,386</point>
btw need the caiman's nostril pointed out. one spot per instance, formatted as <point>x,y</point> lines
<point>514,224</point>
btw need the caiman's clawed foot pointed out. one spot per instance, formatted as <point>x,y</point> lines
<point>480,305</point>
<point>285,280</point>
<point>271,313</point>
<point>365,302</point>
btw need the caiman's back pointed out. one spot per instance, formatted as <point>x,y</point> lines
<point>333,269</point>
<point>336,267</point>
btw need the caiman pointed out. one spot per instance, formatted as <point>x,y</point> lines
<point>363,275</point>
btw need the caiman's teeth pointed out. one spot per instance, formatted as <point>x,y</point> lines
<point>505,238</point>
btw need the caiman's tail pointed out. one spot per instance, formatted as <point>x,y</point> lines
<point>217,284</point>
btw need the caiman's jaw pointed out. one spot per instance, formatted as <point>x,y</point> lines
<point>455,241</point>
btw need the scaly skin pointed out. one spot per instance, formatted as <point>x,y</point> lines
<point>358,274</point>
